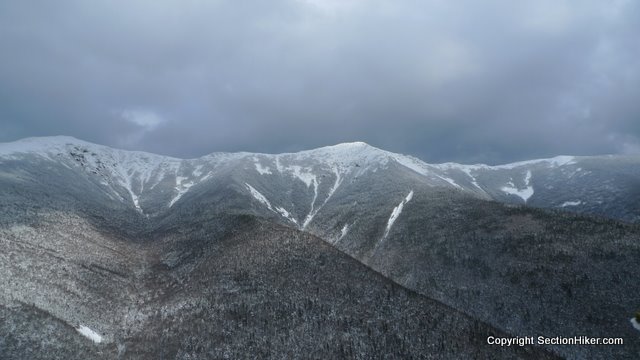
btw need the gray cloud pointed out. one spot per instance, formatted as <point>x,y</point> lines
<point>468,81</point>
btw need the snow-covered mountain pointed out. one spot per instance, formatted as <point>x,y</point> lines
<point>448,231</point>
<point>600,185</point>
<point>297,187</point>
<point>153,184</point>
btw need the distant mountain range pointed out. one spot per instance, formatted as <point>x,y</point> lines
<point>137,248</point>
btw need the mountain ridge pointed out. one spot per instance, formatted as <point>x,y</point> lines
<point>71,140</point>
<point>566,182</point>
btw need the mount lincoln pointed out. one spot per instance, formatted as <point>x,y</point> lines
<point>341,251</point>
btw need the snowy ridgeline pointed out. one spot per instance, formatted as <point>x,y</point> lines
<point>139,178</point>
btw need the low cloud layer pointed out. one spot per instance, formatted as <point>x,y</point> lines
<point>467,81</point>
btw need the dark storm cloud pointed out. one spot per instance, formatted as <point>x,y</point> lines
<point>467,81</point>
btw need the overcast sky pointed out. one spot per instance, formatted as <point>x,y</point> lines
<point>469,81</point>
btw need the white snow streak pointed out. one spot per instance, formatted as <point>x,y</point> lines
<point>312,211</point>
<point>258,196</point>
<point>396,212</point>
<point>467,170</point>
<point>90,334</point>
<point>344,231</point>
<point>261,198</point>
<point>278,166</point>
<point>308,178</point>
<point>449,180</point>
<point>181,188</point>
<point>125,178</point>
<point>333,189</point>
<point>335,185</point>
<point>209,174</point>
<point>286,215</point>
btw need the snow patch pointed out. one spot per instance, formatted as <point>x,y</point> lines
<point>571,203</point>
<point>525,193</point>
<point>305,176</point>
<point>90,334</point>
<point>262,170</point>
<point>396,212</point>
<point>286,215</point>
<point>197,172</point>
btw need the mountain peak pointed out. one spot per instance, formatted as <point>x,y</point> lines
<point>38,144</point>
<point>47,140</point>
<point>346,146</point>
<point>354,144</point>
<point>351,151</point>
